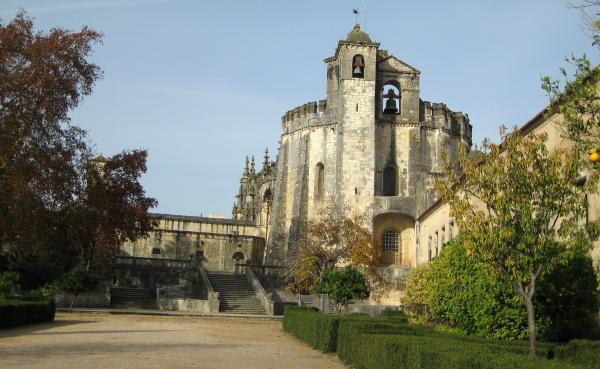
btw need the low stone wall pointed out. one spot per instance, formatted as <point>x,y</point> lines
<point>189,305</point>
<point>84,300</point>
<point>265,298</point>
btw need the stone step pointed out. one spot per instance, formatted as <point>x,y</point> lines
<point>236,294</point>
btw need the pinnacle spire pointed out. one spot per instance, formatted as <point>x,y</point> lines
<point>252,171</point>
<point>246,168</point>
<point>266,158</point>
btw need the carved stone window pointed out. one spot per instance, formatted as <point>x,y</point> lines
<point>155,251</point>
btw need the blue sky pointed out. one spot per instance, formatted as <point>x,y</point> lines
<point>201,84</point>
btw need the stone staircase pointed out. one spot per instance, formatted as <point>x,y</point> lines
<point>236,294</point>
<point>140,298</point>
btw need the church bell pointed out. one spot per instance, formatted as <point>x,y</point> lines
<point>390,104</point>
<point>357,70</point>
<point>390,107</point>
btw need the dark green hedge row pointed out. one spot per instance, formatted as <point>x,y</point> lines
<point>584,352</point>
<point>388,342</point>
<point>312,326</point>
<point>17,312</point>
<point>370,346</point>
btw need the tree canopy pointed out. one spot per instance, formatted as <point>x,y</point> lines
<point>52,201</point>
<point>520,209</point>
<point>337,237</point>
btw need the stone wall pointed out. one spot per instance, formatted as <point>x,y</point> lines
<point>220,243</point>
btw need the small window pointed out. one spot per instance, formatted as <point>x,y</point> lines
<point>156,251</point>
<point>389,240</point>
<point>389,181</point>
<point>238,256</point>
<point>358,66</point>
<point>320,181</point>
<point>199,254</point>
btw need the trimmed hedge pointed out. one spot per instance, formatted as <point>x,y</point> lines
<point>582,352</point>
<point>370,346</point>
<point>387,342</point>
<point>17,312</point>
<point>312,326</point>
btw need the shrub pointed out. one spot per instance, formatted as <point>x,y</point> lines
<point>416,300</point>
<point>9,284</point>
<point>462,292</point>
<point>343,285</point>
<point>16,312</point>
<point>76,281</point>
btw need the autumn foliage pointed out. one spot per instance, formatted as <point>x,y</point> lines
<point>338,237</point>
<point>54,205</point>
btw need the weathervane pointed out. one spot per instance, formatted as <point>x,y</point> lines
<point>356,12</point>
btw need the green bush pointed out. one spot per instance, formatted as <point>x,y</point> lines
<point>343,285</point>
<point>9,284</point>
<point>17,312</point>
<point>460,291</point>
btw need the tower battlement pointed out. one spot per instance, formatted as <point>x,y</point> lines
<point>304,116</point>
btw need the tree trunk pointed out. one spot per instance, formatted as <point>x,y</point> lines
<point>531,323</point>
<point>73,302</point>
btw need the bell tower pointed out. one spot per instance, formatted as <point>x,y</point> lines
<point>351,91</point>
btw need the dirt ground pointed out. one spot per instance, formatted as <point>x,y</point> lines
<point>139,341</point>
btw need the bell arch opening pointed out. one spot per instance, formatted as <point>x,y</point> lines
<point>358,66</point>
<point>391,98</point>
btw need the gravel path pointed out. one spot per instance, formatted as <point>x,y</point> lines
<point>138,341</point>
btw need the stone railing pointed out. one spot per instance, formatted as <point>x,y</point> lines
<point>265,298</point>
<point>393,204</point>
<point>211,295</point>
<point>158,263</point>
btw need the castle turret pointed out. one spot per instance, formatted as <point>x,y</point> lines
<point>351,98</point>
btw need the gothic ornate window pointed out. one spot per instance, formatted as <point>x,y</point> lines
<point>389,240</point>
<point>320,180</point>
<point>389,181</point>
<point>358,66</point>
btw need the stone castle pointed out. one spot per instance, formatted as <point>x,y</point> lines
<point>372,145</point>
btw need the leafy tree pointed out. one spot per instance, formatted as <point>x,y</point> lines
<point>9,284</point>
<point>520,211</point>
<point>415,300</point>
<point>334,239</point>
<point>111,207</point>
<point>56,209</point>
<point>76,281</point>
<point>43,76</point>
<point>343,285</point>
<point>576,97</point>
